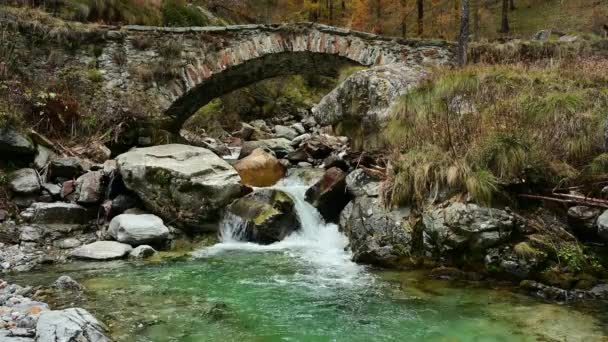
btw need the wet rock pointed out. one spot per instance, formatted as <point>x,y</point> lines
<point>264,216</point>
<point>142,252</point>
<point>329,195</point>
<point>186,184</point>
<point>279,146</point>
<point>122,203</point>
<point>68,168</point>
<point>299,156</point>
<point>89,188</point>
<point>466,226</point>
<point>602,226</point>
<point>520,261</point>
<point>336,161</point>
<point>138,229</point>
<point>14,144</point>
<point>70,325</point>
<point>285,132</point>
<point>376,235</point>
<point>583,218</point>
<point>260,169</point>
<point>102,250</point>
<point>67,283</point>
<point>24,182</point>
<point>57,212</point>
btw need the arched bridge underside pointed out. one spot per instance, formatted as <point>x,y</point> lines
<point>207,62</point>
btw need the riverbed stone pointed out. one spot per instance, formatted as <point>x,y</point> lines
<point>102,250</point>
<point>67,167</point>
<point>329,195</point>
<point>260,169</point>
<point>56,212</point>
<point>281,131</point>
<point>264,216</point>
<point>24,182</point>
<point>70,325</point>
<point>466,226</point>
<point>142,252</point>
<point>89,188</point>
<point>30,234</point>
<point>43,157</point>
<point>184,184</point>
<point>65,282</point>
<point>138,229</point>
<point>377,235</point>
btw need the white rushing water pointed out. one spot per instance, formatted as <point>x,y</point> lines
<point>319,245</point>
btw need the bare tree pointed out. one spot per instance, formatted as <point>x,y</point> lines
<point>504,26</point>
<point>463,38</point>
<point>475,9</point>
<point>420,7</point>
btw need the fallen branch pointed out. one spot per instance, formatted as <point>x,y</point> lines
<point>570,199</point>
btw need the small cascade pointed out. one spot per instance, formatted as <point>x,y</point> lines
<point>318,244</point>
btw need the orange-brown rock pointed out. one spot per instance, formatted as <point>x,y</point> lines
<point>260,169</point>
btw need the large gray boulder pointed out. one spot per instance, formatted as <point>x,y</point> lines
<point>138,229</point>
<point>329,194</point>
<point>89,188</point>
<point>468,227</point>
<point>264,216</point>
<point>57,212</point>
<point>376,235</point>
<point>359,183</point>
<point>14,144</point>
<point>602,226</point>
<point>24,182</point>
<point>70,325</point>
<point>184,184</point>
<point>102,250</point>
<point>364,100</point>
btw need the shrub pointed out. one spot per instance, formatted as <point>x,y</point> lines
<point>94,75</point>
<point>178,13</point>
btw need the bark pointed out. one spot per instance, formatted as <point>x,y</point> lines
<point>420,7</point>
<point>512,5</point>
<point>504,27</point>
<point>463,37</point>
<point>475,10</point>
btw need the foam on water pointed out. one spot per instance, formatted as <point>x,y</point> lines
<point>319,245</point>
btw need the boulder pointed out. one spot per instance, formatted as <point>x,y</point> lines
<point>285,132</point>
<point>466,227</point>
<point>184,184</point>
<point>30,234</point>
<point>359,183</point>
<point>582,219</point>
<point>264,216</point>
<point>336,161</point>
<point>70,167</point>
<point>602,226</point>
<point>70,325</point>
<point>43,157</point>
<point>542,35</point>
<point>376,235</point>
<point>360,106</point>
<point>122,203</point>
<point>280,146</point>
<point>57,212</point>
<point>329,194</point>
<point>260,169</point>
<point>102,250</point>
<point>67,243</point>
<point>53,189</point>
<point>299,128</point>
<point>24,182</point>
<point>138,229</point>
<point>89,188</point>
<point>300,139</point>
<point>14,144</point>
<point>520,261</point>
<point>142,252</point>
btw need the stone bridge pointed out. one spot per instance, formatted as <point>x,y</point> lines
<point>181,69</point>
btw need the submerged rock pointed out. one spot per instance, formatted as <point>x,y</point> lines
<point>376,235</point>
<point>102,250</point>
<point>329,194</point>
<point>138,229</point>
<point>264,216</point>
<point>260,169</point>
<point>70,325</point>
<point>184,184</point>
<point>67,283</point>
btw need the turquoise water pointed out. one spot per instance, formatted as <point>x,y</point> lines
<point>244,295</point>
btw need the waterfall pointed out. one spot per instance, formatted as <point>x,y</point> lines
<point>318,244</point>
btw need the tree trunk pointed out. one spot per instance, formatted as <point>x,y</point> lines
<point>420,6</point>
<point>504,27</point>
<point>330,11</point>
<point>512,5</point>
<point>463,38</point>
<point>475,10</point>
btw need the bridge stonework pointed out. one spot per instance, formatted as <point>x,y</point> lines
<point>198,64</point>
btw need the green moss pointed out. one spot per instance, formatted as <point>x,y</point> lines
<point>159,176</point>
<point>94,75</point>
<point>266,213</point>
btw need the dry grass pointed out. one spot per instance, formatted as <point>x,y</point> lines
<point>482,127</point>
